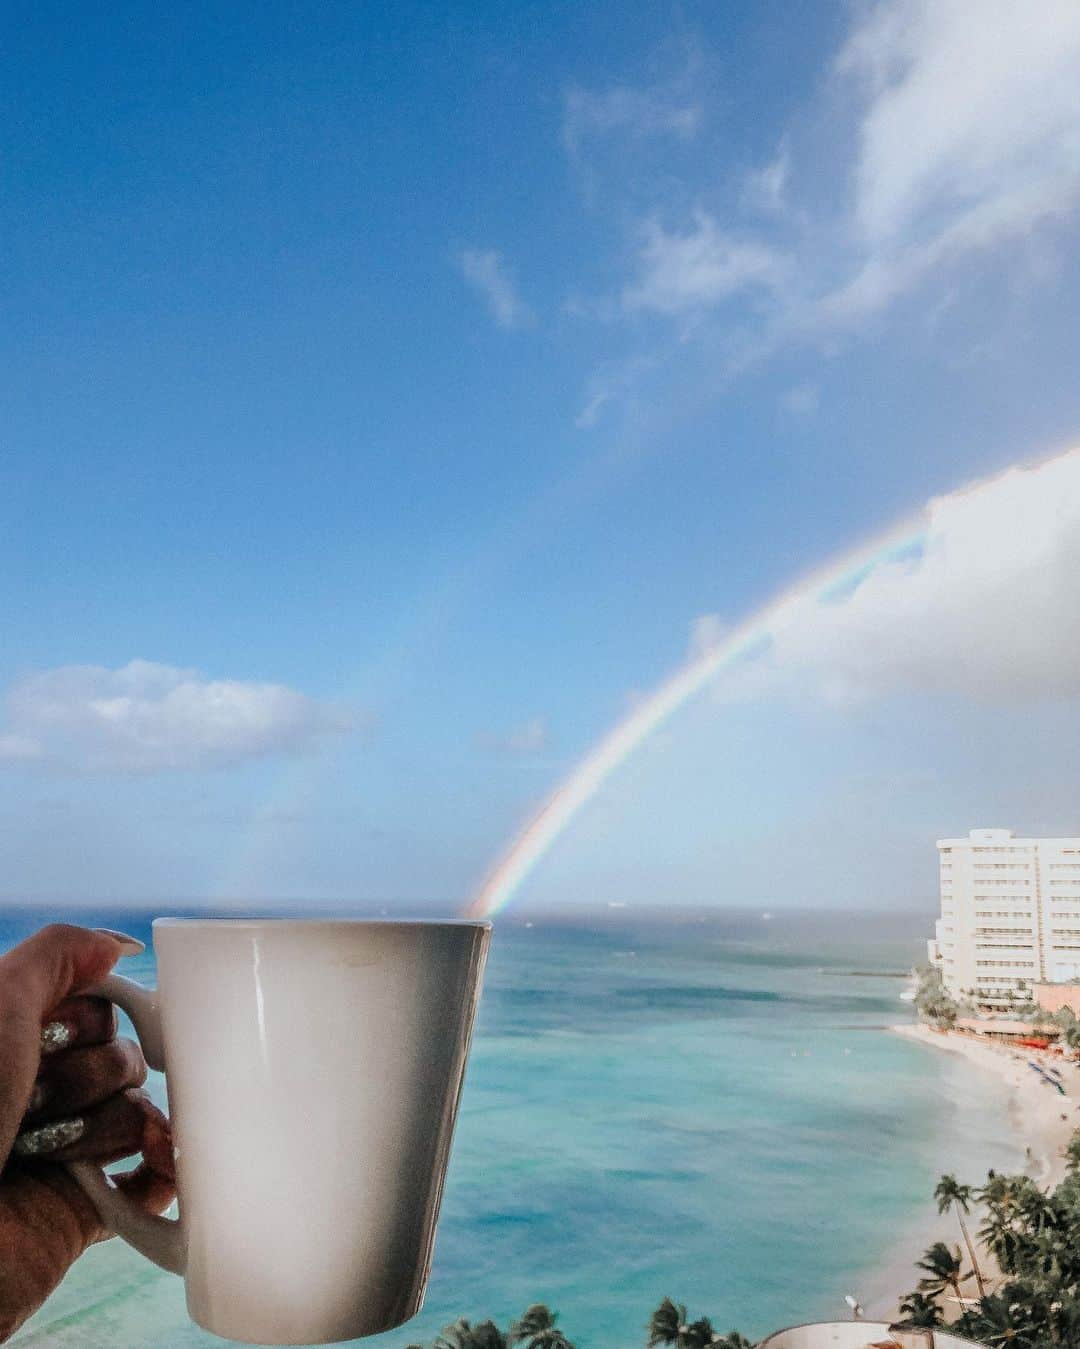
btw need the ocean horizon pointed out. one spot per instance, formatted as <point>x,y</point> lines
<point>701,1104</point>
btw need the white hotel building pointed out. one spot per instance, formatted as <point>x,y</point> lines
<point>1010,914</point>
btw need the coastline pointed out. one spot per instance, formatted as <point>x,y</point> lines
<point>1042,1119</point>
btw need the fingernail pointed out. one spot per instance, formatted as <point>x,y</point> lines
<point>37,1096</point>
<point>49,1137</point>
<point>56,1035</point>
<point>131,945</point>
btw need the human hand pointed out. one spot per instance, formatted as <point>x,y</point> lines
<point>69,1090</point>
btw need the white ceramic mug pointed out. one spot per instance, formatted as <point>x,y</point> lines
<point>313,1071</point>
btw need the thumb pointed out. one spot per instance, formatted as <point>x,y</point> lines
<point>35,976</point>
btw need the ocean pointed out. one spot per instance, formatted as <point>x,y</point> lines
<point>705,1106</point>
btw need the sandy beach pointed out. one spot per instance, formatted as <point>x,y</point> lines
<point>1044,1121</point>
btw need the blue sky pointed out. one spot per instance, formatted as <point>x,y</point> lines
<point>387,393</point>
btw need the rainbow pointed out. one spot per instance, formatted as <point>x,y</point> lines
<point>826,585</point>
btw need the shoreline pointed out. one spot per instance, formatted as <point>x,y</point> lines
<point>1042,1119</point>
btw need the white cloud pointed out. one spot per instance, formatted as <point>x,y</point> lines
<point>969,103</point>
<point>766,188</point>
<point>656,110</point>
<point>606,385</point>
<point>969,131</point>
<point>699,268</point>
<point>532,737</point>
<point>598,393</point>
<point>957,125</point>
<point>485,270</point>
<point>989,609</point>
<point>145,718</point>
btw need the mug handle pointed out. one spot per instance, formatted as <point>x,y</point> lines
<point>159,1239</point>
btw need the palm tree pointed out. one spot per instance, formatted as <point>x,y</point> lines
<point>1037,1209</point>
<point>667,1325</point>
<point>1004,1231</point>
<point>462,1335</point>
<point>537,1327</point>
<point>487,1335</point>
<point>951,1194</point>
<point>700,1334</point>
<point>1001,1322</point>
<point>920,1310</point>
<point>943,1270</point>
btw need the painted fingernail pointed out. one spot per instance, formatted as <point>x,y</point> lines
<point>49,1137</point>
<point>55,1035</point>
<point>131,946</point>
<point>37,1096</point>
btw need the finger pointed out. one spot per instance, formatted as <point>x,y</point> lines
<point>80,1078</point>
<point>78,1021</point>
<point>103,1134</point>
<point>157,1143</point>
<point>147,1188</point>
<point>36,976</point>
<point>152,1184</point>
<point>60,960</point>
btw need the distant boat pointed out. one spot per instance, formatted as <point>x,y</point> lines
<point>616,904</point>
<point>766,917</point>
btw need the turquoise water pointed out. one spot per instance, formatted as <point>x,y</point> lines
<point>705,1107</point>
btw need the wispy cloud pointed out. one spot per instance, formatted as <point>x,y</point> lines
<point>959,135</point>
<point>968,134</point>
<point>145,718</point>
<point>650,111</point>
<point>766,188</point>
<point>488,274</point>
<point>967,106</point>
<point>531,737</point>
<point>696,268</point>
<point>609,130</point>
<point>616,381</point>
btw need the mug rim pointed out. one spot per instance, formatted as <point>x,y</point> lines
<point>480,924</point>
